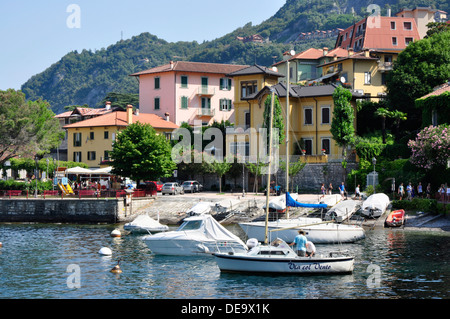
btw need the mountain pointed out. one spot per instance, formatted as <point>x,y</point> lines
<point>87,77</point>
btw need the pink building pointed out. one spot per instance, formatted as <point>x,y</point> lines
<point>188,91</point>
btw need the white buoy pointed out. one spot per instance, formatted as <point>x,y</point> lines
<point>115,233</point>
<point>105,251</point>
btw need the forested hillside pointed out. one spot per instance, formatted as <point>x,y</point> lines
<point>87,77</point>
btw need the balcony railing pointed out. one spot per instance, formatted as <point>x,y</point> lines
<point>385,66</point>
<point>206,91</point>
<point>206,112</point>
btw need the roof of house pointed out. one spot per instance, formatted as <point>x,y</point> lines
<point>120,119</point>
<point>438,90</point>
<point>314,54</point>
<point>356,56</point>
<point>197,67</point>
<point>298,91</point>
<point>85,111</point>
<point>255,69</point>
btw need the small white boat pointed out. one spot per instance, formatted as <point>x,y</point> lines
<point>226,205</point>
<point>200,208</point>
<point>342,210</point>
<point>316,230</point>
<point>375,205</point>
<point>197,235</point>
<point>279,258</point>
<point>145,224</point>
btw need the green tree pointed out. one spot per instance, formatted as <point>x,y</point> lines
<point>27,128</point>
<point>278,120</point>
<point>141,154</point>
<point>219,168</point>
<point>423,65</point>
<point>342,127</point>
<point>121,99</point>
<point>294,168</point>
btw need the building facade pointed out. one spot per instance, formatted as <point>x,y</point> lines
<point>90,141</point>
<point>190,92</point>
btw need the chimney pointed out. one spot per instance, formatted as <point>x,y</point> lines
<point>136,112</point>
<point>350,51</point>
<point>325,51</point>
<point>108,105</point>
<point>366,53</point>
<point>129,114</point>
<point>335,57</point>
<point>167,116</point>
<point>171,65</point>
<point>389,12</point>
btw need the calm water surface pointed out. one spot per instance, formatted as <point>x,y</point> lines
<point>36,259</point>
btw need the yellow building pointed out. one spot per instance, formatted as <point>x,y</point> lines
<point>310,115</point>
<point>90,141</point>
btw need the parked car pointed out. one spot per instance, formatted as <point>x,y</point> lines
<point>192,186</point>
<point>172,188</point>
<point>158,184</point>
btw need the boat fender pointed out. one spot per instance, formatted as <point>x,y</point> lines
<point>1,244</point>
<point>105,251</point>
<point>251,243</point>
<point>203,248</point>
<point>115,233</point>
<point>230,253</point>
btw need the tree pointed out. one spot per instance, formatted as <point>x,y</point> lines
<point>121,99</point>
<point>26,127</point>
<point>342,127</point>
<point>256,169</point>
<point>278,120</point>
<point>383,113</point>
<point>218,167</point>
<point>141,154</point>
<point>431,148</point>
<point>423,65</point>
<point>294,168</point>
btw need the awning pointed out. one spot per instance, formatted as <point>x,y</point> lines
<point>323,77</point>
<point>78,170</point>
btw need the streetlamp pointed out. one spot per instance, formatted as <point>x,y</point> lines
<point>374,162</point>
<point>36,160</point>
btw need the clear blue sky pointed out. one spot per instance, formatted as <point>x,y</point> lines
<point>35,34</point>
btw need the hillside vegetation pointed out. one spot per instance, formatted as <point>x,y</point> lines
<point>87,77</point>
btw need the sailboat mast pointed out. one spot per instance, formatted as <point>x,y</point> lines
<point>270,163</point>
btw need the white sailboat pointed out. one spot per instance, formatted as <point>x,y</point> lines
<point>278,257</point>
<point>317,231</point>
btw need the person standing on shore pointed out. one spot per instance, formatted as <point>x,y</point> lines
<point>428,191</point>
<point>419,190</point>
<point>322,190</point>
<point>357,193</point>
<point>401,191</point>
<point>342,190</point>
<point>330,189</point>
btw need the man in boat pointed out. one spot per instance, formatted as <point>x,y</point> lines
<point>310,249</point>
<point>300,243</point>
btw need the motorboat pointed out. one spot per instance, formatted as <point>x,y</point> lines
<point>200,208</point>
<point>197,235</point>
<point>375,205</point>
<point>330,200</point>
<point>317,230</point>
<point>395,218</point>
<point>279,258</point>
<point>145,224</point>
<point>342,210</point>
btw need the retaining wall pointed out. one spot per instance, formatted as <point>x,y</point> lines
<point>69,210</point>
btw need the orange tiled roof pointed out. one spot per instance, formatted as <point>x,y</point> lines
<point>197,67</point>
<point>120,119</point>
<point>314,54</point>
<point>439,90</point>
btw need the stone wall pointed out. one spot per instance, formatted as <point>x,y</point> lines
<point>69,210</point>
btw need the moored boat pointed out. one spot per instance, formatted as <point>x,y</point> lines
<point>197,235</point>
<point>342,210</point>
<point>375,205</point>
<point>279,258</point>
<point>395,218</point>
<point>145,224</point>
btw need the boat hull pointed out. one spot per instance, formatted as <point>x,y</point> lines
<point>191,247</point>
<point>297,266</point>
<point>395,219</point>
<point>319,234</point>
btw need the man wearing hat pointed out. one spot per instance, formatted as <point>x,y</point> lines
<point>300,243</point>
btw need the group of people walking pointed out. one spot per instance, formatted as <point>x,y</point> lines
<point>342,190</point>
<point>410,192</point>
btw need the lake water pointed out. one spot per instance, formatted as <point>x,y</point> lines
<point>62,262</point>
